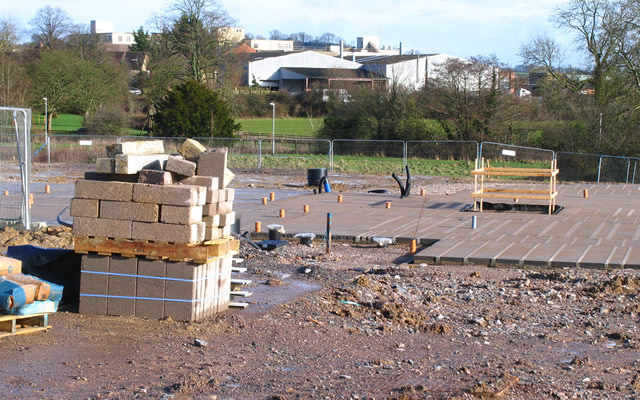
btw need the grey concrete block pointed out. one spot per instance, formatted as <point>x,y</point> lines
<point>213,163</point>
<point>137,147</point>
<point>131,164</point>
<point>155,177</point>
<point>84,208</point>
<point>150,288</point>
<point>106,165</point>
<point>191,149</point>
<point>180,215</point>
<point>103,190</point>
<point>144,212</point>
<point>123,286</point>
<point>180,166</point>
<point>112,228</point>
<point>164,232</point>
<point>175,195</point>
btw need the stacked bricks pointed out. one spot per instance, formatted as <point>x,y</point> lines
<point>154,289</point>
<point>168,203</point>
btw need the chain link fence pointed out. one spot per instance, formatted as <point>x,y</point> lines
<point>500,154</point>
<point>578,167</point>
<point>15,166</point>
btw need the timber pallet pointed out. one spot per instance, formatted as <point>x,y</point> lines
<point>196,252</point>
<point>11,325</point>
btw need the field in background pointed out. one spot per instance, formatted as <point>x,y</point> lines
<point>287,127</point>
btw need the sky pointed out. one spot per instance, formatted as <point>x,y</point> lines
<point>462,28</point>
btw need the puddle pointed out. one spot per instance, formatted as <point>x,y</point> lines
<point>265,298</point>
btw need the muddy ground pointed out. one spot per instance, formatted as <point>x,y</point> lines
<point>361,322</point>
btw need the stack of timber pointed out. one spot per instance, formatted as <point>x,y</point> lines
<point>155,232</point>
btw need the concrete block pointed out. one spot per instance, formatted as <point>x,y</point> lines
<point>210,182</point>
<point>106,165</point>
<point>228,177</point>
<point>113,228</point>
<point>201,231</point>
<point>84,208</point>
<point>175,195</point>
<point>227,219</point>
<point>94,284</point>
<point>144,212</point>
<point>180,166</point>
<point>99,176</point>
<point>131,164</point>
<point>225,207</point>
<point>191,149</point>
<point>211,220</point>
<point>116,191</point>
<point>180,215</point>
<point>211,233</point>
<point>229,194</point>
<point>213,162</point>
<point>150,288</point>
<point>124,286</point>
<point>226,231</point>
<point>213,196</point>
<point>210,209</point>
<point>182,289</point>
<point>137,147</point>
<point>155,177</point>
<point>164,232</point>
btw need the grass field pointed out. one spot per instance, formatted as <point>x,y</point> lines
<point>301,127</point>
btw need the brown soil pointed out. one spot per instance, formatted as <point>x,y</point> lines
<point>377,327</point>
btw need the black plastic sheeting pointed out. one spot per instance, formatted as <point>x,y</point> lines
<point>516,207</point>
<point>59,266</point>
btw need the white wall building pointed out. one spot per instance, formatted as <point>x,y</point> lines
<point>232,34</point>
<point>263,69</point>
<point>270,45</point>
<point>104,31</point>
<point>408,71</point>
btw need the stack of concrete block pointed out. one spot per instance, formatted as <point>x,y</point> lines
<point>135,286</point>
<point>166,202</point>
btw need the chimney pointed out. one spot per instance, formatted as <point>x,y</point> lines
<point>400,48</point>
<point>341,48</point>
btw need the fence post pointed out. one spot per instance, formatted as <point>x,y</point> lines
<point>599,167</point>
<point>331,156</point>
<point>479,154</point>
<point>633,179</point>
<point>405,161</point>
<point>628,167</point>
<point>259,153</point>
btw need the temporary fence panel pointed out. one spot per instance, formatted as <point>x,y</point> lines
<point>461,153</point>
<point>368,156</point>
<point>75,149</point>
<point>242,153</point>
<point>500,154</point>
<point>15,165</point>
<point>578,167</point>
<point>295,154</point>
<point>614,169</point>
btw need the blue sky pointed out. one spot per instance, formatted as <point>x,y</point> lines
<point>460,27</point>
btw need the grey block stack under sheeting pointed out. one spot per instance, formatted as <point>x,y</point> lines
<point>168,203</point>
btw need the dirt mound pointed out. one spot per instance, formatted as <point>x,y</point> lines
<point>50,237</point>
<point>617,285</point>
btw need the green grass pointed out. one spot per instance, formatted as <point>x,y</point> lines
<point>303,127</point>
<point>63,122</point>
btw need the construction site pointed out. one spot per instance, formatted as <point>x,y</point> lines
<point>185,279</point>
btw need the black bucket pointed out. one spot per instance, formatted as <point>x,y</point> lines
<point>314,175</point>
<point>274,235</point>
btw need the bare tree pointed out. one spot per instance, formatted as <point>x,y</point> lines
<point>50,26</point>
<point>14,84</point>
<point>9,33</point>
<point>277,35</point>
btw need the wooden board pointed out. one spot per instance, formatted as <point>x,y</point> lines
<point>11,325</point>
<point>198,252</point>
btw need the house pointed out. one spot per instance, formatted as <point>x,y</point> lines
<point>110,40</point>
<point>231,34</point>
<point>298,80</point>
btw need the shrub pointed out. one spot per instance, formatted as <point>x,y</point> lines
<point>107,121</point>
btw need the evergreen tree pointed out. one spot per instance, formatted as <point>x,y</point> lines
<point>193,110</point>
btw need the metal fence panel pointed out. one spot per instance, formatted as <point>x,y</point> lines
<point>368,156</point>
<point>74,149</point>
<point>614,169</point>
<point>295,153</point>
<point>15,165</point>
<point>242,153</point>
<point>499,153</point>
<point>576,167</point>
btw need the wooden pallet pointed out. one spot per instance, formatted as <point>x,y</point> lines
<point>11,325</point>
<point>196,252</point>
